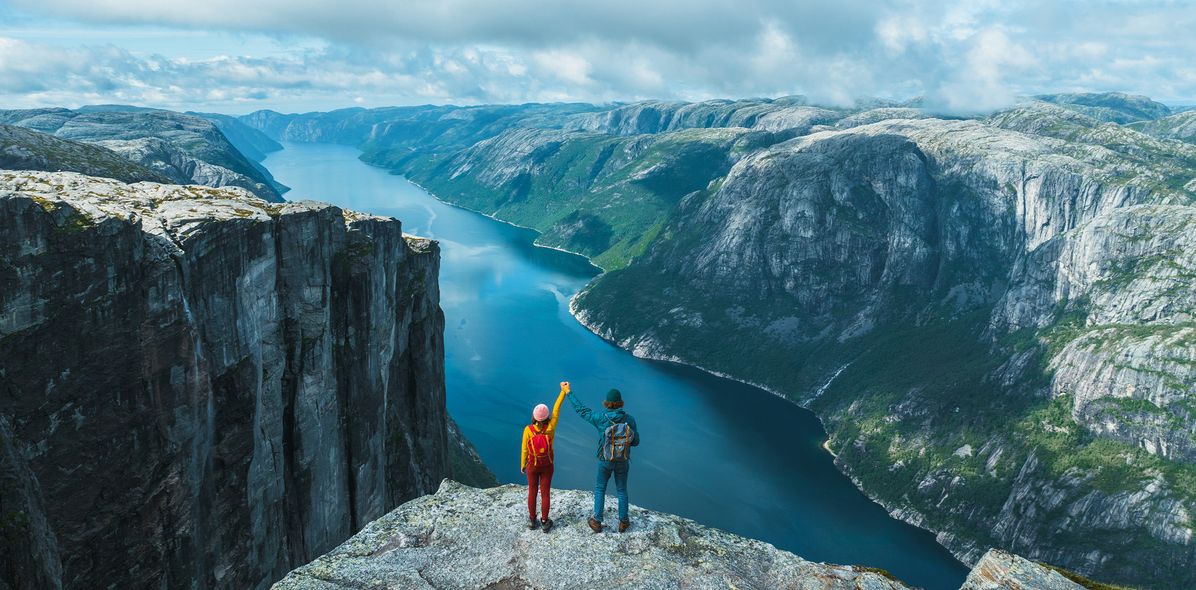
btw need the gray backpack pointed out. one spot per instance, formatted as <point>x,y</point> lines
<point>616,442</point>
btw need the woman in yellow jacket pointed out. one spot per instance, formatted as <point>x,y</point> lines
<point>536,458</point>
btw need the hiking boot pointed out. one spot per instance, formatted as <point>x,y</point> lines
<point>533,525</point>
<point>624,525</point>
<point>595,525</point>
<point>546,524</point>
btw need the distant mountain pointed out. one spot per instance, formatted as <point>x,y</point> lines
<point>1111,107</point>
<point>254,144</point>
<point>114,108</point>
<point>435,128</point>
<point>25,149</point>
<point>992,316</point>
<point>660,116</point>
<point>1180,126</point>
<point>183,148</point>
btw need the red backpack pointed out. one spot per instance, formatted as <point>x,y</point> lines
<point>539,448</point>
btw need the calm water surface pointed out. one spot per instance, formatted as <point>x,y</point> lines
<point>722,453</point>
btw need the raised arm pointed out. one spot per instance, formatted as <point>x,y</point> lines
<point>556,409</point>
<point>585,413</point>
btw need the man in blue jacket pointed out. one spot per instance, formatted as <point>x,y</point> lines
<point>617,433</point>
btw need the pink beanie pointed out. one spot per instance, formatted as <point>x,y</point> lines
<point>540,413</point>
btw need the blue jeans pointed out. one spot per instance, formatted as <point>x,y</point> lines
<point>605,468</point>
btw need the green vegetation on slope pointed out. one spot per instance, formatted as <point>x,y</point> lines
<point>465,465</point>
<point>25,149</point>
<point>162,140</point>
<point>921,405</point>
<point>599,195</point>
<point>1083,581</point>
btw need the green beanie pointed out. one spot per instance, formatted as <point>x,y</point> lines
<point>614,396</point>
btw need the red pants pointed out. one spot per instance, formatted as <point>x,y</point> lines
<point>538,478</point>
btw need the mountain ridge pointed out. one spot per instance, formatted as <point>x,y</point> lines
<point>26,149</point>
<point>184,148</point>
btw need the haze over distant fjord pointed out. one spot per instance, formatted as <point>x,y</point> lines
<point>223,56</point>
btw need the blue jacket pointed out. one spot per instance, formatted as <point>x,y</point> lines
<point>603,419</point>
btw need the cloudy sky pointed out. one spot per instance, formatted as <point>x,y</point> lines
<point>237,56</point>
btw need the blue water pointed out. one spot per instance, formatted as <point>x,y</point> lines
<point>722,453</point>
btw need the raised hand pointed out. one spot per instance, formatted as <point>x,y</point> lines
<point>565,386</point>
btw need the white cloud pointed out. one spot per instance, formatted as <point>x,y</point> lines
<point>985,82</point>
<point>232,55</point>
<point>898,31</point>
<point>565,66</point>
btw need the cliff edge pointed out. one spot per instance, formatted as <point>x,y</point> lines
<point>467,538</point>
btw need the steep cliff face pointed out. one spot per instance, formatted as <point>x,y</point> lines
<point>995,326</point>
<point>183,148</point>
<point>1124,357</point>
<point>825,237</point>
<point>463,538</point>
<point>236,386</point>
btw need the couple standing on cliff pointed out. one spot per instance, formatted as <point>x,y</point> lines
<point>617,434</point>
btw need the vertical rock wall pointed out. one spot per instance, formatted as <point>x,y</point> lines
<point>200,389</point>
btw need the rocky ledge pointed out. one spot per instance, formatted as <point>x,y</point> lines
<point>1000,570</point>
<point>462,537</point>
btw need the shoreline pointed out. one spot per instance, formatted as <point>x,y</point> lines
<point>536,243</point>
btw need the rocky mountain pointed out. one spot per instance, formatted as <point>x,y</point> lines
<point>253,144</point>
<point>429,128</point>
<point>183,148</point>
<point>591,184</point>
<point>1111,107</point>
<point>204,389</point>
<point>883,275</point>
<point>992,316</point>
<point>25,149</point>
<point>659,116</point>
<point>1181,126</point>
<point>592,193</point>
<point>464,538</point>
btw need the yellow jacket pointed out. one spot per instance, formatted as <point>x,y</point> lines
<point>550,430</point>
